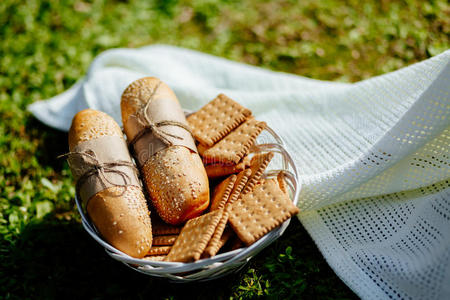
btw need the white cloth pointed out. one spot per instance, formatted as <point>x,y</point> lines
<point>373,156</point>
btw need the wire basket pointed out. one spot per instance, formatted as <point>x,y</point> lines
<point>224,263</point>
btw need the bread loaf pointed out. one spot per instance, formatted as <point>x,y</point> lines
<point>120,213</point>
<point>173,175</point>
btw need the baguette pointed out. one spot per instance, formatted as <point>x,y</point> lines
<point>174,175</point>
<point>119,213</point>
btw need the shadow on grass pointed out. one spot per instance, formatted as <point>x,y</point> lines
<point>52,143</point>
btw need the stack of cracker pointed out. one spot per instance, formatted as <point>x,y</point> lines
<point>244,206</point>
<point>164,236</point>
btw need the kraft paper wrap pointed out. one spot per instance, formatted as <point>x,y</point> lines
<point>160,110</point>
<point>106,156</point>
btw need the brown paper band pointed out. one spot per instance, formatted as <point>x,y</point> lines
<point>168,127</point>
<point>100,164</point>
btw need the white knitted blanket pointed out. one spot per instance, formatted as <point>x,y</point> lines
<point>373,156</point>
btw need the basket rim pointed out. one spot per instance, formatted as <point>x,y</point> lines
<point>223,263</point>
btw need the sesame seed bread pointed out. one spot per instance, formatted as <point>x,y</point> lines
<point>120,215</point>
<point>174,177</point>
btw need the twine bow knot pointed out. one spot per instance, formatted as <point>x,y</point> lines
<point>148,125</point>
<point>94,167</point>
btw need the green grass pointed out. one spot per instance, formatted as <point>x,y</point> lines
<point>45,46</point>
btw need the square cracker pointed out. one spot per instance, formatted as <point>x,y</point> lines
<point>164,240</point>
<point>216,119</point>
<point>233,147</point>
<point>222,193</point>
<point>155,258</point>
<point>194,237</point>
<point>215,242</point>
<point>239,185</point>
<point>158,250</point>
<point>282,182</point>
<point>228,233</point>
<point>260,211</point>
<point>258,165</point>
<point>159,227</point>
<point>219,170</point>
<point>202,148</point>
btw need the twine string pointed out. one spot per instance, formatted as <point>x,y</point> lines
<point>96,167</point>
<point>145,121</point>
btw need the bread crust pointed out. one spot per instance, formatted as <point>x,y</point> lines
<point>120,214</point>
<point>174,177</point>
